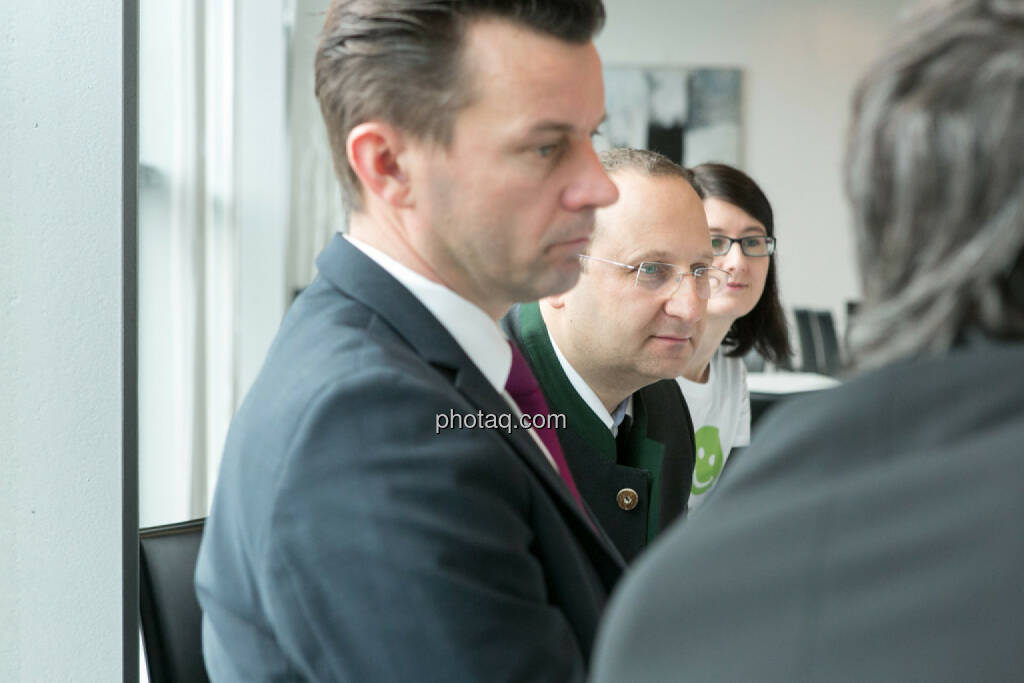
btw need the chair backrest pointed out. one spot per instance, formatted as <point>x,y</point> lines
<point>171,619</point>
<point>852,309</point>
<point>828,341</point>
<point>808,347</point>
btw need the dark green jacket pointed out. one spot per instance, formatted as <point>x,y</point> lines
<point>658,460</point>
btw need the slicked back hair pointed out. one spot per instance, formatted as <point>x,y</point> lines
<point>764,328</point>
<point>935,175</point>
<point>399,61</point>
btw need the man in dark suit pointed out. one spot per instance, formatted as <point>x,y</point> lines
<point>607,353</point>
<point>870,531</point>
<point>351,536</point>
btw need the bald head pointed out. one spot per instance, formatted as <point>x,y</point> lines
<point>619,337</point>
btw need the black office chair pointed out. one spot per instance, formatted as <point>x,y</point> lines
<point>828,343</point>
<point>852,308</point>
<point>808,345</point>
<point>171,619</point>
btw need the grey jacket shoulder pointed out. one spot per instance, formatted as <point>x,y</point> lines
<point>863,536</point>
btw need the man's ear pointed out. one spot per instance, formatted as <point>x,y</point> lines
<point>375,154</point>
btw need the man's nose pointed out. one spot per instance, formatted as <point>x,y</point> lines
<point>685,303</point>
<point>592,188</point>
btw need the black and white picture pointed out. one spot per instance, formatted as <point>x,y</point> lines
<point>689,115</point>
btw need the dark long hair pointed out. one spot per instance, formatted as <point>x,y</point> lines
<point>764,328</point>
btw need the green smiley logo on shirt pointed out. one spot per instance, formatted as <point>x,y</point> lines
<point>709,459</point>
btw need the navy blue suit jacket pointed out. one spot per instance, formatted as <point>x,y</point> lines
<point>348,541</point>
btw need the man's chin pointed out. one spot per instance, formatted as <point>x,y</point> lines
<point>671,362</point>
<point>555,280</point>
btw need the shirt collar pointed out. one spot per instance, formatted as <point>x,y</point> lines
<point>611,420</point>
<point>478,335</point>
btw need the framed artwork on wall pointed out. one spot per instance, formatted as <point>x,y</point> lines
<point>691,115</point>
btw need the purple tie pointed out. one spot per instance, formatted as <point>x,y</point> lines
<point>525,391</point>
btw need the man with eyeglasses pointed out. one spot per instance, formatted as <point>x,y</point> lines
<point>606,352</point>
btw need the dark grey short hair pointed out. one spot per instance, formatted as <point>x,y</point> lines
<point>399,61</point>
<point>935,175</point>
<point>646,162</point>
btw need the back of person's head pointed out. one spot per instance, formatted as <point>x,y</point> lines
<point>935,174</point>
<point>398,61</point>
<point>764,328</point>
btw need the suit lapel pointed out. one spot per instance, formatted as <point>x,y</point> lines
<point>360,277</point>
<point>525,325</point>
<point>472,384</point>
<point>668,427</point>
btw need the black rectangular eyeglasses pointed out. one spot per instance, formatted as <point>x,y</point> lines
<point>753,245</point>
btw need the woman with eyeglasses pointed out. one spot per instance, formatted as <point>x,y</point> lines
<point>745,315</point>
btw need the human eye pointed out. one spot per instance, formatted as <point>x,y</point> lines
<point>708,280</point>
<point>719,245</point>
<point>756,245</point>
<point>705,273</point>
<point>653,274</point>
<point>549,150</point>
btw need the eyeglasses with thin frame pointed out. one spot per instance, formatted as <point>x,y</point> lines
<point>753,245</point>
<point>656,277</point>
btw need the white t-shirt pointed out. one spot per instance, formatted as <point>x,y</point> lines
<point>720,409</point>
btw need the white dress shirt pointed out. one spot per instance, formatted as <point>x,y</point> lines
<point>611,420</point>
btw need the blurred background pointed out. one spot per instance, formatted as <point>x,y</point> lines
<point>237,194</point>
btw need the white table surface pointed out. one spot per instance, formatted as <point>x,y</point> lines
<point>788,382</point>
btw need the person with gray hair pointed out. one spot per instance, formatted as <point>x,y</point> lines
<point>870,532</point>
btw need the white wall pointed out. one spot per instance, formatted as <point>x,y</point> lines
<point>60,341</point>
<point>800,61</point>
<point>262,180</point>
